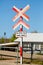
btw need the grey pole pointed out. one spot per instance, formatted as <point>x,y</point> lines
<point>17,53</point>
<point>4,38</point>
<point>31,51</point>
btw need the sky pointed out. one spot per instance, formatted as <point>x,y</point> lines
<point>6,14</point>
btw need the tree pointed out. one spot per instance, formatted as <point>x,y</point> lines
<point>4,33</point>
<point>4,37</point>
<point>34,31</point>
<point>13,38</point>
<point>2,40</point>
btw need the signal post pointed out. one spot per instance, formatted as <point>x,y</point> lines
<point>21,42</point>
<point>21,14</point>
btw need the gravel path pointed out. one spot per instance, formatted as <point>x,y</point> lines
<point>13,60</point>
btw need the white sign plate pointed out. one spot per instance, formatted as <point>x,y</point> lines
<point>21,34</point>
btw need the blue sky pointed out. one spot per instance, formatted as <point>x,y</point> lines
<point>6,14</point>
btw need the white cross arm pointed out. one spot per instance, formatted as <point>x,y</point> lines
<point>21,22</point>
<point>21,13</point>
<point>16,17</point>
<point>25,9</point>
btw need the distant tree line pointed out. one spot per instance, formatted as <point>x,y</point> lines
<point>13,37</point>
<point>6,40</point>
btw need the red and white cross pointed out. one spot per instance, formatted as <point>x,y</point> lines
<point>21,13</point>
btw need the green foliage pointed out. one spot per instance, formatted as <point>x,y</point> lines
<point>2,40</point>
<point>13,38</point>
<point>42,63</point>
<point>40,53</point>
<point>34,31</point>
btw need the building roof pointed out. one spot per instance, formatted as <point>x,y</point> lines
<point>9,44</point>
<point>32,37</point>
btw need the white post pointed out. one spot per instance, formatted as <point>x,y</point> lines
<point>21,50</point>
<point>21,53</point>
<point>34,47</point>
<point>39,46</point>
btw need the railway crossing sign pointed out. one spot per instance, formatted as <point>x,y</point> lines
<point>21,33</point>
<point>21,13</point>
<point>21,22</point>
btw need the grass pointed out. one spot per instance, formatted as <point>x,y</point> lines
<point>40,53</point>
<point>36,61</point>
<point>26,61</point>
<point>2,58</point>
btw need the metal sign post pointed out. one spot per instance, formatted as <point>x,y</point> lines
<point>31,51</point>
<point>21,14</point>
<point>21,50</point>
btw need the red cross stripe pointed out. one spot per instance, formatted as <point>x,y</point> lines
<point>20,51</point>
<point>21,28</point>
<point>21,13</point>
